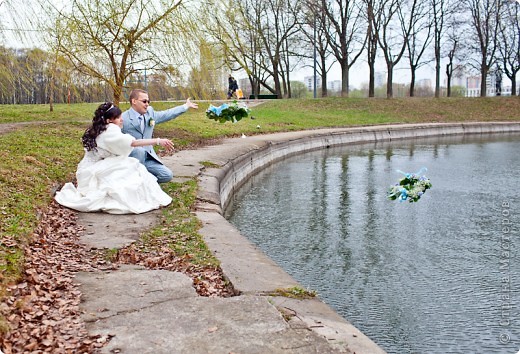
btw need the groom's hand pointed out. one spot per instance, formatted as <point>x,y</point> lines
<point>191,104</point>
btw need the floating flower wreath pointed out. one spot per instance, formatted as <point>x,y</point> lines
<point>411,187</point>
<point>228,112</point>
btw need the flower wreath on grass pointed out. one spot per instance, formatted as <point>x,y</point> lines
<point>228,112</point>
<point>411,187</point>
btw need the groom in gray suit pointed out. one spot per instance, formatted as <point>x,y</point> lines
<point>139,122</point>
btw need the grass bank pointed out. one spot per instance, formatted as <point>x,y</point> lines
<point>286,115</point>
<point>37,158</point>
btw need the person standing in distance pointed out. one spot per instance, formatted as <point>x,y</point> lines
<point>139,121</point>
<point>232,87</point>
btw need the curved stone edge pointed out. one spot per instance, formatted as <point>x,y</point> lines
<point>273,148</point>
<point>247,267</point>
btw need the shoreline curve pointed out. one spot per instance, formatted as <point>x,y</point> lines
<point>246,266</point>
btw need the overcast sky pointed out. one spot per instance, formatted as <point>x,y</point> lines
<point>358,74</point>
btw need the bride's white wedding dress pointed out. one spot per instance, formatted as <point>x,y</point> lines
<point>110,181</point>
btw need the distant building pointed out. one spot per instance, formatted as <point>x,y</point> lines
<point>379,78</point>
<point>459,80</point>
<point>309,82</point>
<point>473,86</point>
<point>507,90</point>
<point>425,83</point>
<point>491,84</point>
<point>334,86</point>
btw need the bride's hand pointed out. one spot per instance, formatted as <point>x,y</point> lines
<point>165,143</point>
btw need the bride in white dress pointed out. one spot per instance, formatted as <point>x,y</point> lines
<point>107,178</point>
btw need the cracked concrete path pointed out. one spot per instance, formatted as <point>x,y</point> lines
<point>145,311</point>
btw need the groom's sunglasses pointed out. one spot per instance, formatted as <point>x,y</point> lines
<point>145,101</point>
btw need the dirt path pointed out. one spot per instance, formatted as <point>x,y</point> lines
<point>9,127</point>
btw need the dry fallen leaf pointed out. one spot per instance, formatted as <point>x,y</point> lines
<point>212,329</point>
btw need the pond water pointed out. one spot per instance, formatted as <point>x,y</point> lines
<point>438,276</point>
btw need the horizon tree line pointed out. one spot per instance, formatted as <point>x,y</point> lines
<point>92,47</point>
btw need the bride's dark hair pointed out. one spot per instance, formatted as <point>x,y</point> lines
<point>102,115</point>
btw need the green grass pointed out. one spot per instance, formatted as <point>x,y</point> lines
<point>295,292</point>
<point>181,226</point>
<point>209,164</point>
<point>287,115</point>
<point>290,115</point>
<point>32,161</point>
<point>36,158</point>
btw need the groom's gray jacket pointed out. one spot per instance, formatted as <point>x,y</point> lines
<point>131,124</point>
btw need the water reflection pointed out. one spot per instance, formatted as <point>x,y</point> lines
<point>416,278</point>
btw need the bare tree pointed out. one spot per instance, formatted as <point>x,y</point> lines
<point>509,42</point>
<point>314,25</point>
<point>373,22</point>
<point>264,44</point>
<point>395,24</point>
<point>485,25</point>
<point>346,36</point>
<point>450,68</point>
<point>442,10</point>
<point>291,43</point>
<point>239,46</point>
<point>277,26</point>
<point>111,40</point>
<point>252,56</point>
<point>418,41</point>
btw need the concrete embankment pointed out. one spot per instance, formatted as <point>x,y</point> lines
<point>250,271</point>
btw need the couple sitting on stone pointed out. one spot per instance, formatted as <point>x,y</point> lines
<point>120,170</point>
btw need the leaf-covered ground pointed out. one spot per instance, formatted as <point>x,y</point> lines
<point>43,310</point>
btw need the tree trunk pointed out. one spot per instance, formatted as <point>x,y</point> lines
<point>412,82</point>
<point>51,96</point>
<point>448,80</point>
<point>371,80</point>
<point>344,79</point>
<point>118,91</point>
<point>51,89</point>
<point>324,90</point>
<point>253,81</point>
<point>389,81</point>
<point>371,49</point>
<point>284,86</point>
<point>437,76</point>
<point>276,78</point>
<point>483,78</point>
